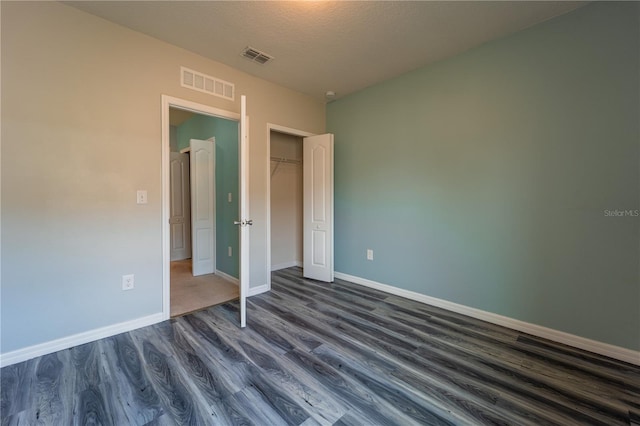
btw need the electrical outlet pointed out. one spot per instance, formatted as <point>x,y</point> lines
<point>369,254</point>
<point>230,251</point>
<point>127,282</point>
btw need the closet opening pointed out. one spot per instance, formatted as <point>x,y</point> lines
<point>203,241</point>
<point>299,203</point>
<point>286,200</point>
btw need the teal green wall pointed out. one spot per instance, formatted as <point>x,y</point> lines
<point>226,134</point>
<point>483,179</point>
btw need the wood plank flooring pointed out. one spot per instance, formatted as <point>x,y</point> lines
<point>321,354</point>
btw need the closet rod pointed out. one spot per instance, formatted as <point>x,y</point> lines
<point>280,160</point>
<point>285,160</point>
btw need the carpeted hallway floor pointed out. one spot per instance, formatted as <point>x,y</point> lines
<point>189,293</point>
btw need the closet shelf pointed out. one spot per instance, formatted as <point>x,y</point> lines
<point>280,160</point>
<point>285,160</point>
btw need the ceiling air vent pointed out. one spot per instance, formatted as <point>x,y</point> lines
<point>205,83</point>
<point>256,56</point>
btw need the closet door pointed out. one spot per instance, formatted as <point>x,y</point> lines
<point>318,207</point>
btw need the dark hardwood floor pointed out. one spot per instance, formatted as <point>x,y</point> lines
<point>316,353</point>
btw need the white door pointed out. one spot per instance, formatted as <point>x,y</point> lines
<point>180,207</point>
<point>202,206</point>
<point>318,207</point>
<point>243,222</point>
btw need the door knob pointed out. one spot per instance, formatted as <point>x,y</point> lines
<point>249,222</point>
<point>237,222</point>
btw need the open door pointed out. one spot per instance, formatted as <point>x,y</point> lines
<point>202,164</point>
<point>179,207</point>
<point>318,207</point>
<point>243,222</point>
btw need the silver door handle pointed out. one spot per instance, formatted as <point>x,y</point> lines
<point>249,222</point>
<point>243,222</point>
<point>236,222</point>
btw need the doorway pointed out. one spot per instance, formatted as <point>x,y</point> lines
<point>286,200</point>
<point>203,189</point>
<point>300,202</point>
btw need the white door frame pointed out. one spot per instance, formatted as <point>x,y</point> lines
<point>288,131</point>
<point>171,102</point>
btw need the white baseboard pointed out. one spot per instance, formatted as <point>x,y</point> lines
<point>285,265</point>
<point>252,290</point>
<point>227,277</point>
<point>594,346</point>
<point>258,290</point>
<point>612,351</point>
<point>30,352</point>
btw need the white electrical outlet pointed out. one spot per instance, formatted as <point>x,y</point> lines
<point>127,282</point>
<point>369,254</point>
<point>230,251</point>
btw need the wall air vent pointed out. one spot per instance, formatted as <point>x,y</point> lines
<point>256,56</point>
<point>205,83</point>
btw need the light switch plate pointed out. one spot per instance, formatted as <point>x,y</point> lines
<point>142,196</point>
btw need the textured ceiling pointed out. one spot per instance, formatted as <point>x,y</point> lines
<point>319,46</point>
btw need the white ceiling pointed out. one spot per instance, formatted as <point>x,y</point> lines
<point>318,46</point>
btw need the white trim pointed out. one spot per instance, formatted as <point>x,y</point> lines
<point>612,351</point>
<point>77,339</point>
<point>244,250</point>
<point>258,290</point>
<point>0,185</point>
<point>168,102</point>
<point>227,277</point>
<point>288,131</point>
<point>185,150</point>
<point>285,265</point>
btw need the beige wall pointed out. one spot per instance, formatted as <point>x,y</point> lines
<point>173,139</point>
<point>81,132</point>
<point>286,201</point>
